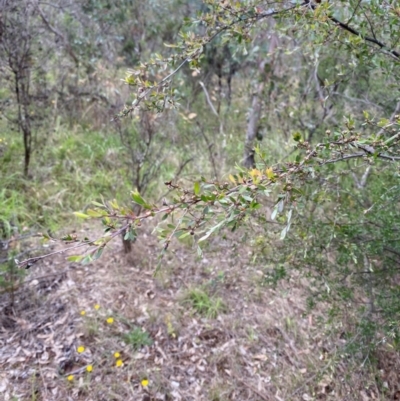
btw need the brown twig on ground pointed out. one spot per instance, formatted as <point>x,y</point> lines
<point>252,388</point>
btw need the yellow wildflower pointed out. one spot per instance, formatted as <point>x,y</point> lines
<point>117,355</point>
<point>119,363</point>
<point>89,368</point>
<point>83,313</point>
<point>110,320</point>
<point>97,307</point>
<point>145,382</point>
<point>70,378</point>
<point>80,349</point>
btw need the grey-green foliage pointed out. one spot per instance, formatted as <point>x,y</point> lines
<point>345,236</point>
<point>345,240</point>
<point>337,83</point>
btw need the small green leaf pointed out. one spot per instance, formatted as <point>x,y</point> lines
<point>114,204</point>
<point>383,122</point>
<point>283,233</point>
<point>81,215</point>
<point>96,213</point>
<point>197,188</point>
<point>247,198</point>
<point>97,253</point>
<point>211,230</point>
<point>75,258</point>
<point>86,260</point>
<point>131,235</point>
<point>289,215</point>
<point>137,198</point>
<point>184,235</point>
<point>297,136</point>
<point>226,202</point>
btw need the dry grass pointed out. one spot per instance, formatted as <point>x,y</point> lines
<point>263,345</point>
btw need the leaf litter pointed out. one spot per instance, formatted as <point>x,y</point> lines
<point>263,346</point>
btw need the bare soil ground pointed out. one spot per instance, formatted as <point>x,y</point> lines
<point>250,343</point>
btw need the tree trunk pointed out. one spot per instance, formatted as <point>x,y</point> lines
<point>23,99</point>
<point>256,103</point>
<point>252,126</point>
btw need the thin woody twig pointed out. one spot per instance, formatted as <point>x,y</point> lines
<point>353,31</point>
<point>208,99</point>
<point>252,388</point>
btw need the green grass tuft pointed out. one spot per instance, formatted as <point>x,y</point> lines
<point>137,338</point>
<point>204,304</point>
